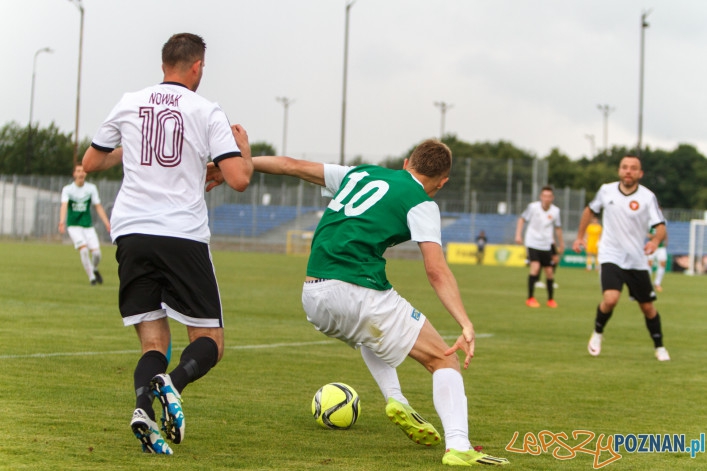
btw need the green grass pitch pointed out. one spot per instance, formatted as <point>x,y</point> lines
<point>66,371</point>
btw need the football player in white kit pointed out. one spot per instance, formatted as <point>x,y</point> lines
<point>630,210</point>
<point>544,228</point>
<point>75,219</point>
<point>160,225</point>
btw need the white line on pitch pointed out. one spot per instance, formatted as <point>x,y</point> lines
<point>232,347</point>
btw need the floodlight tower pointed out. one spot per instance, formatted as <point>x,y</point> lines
<point>286,102</point>
<point>31,107</point>
<point>349,4</point>
<point>644,25</point>
<point>443,107</point>
<point>606,110</point>
<point>79,5</point>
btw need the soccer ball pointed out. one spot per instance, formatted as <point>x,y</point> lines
<point>336,406</point>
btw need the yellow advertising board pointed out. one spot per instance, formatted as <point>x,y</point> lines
<point>499,255</point>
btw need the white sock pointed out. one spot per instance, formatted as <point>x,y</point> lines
<point>86,262</point>
<point>96,258</point>
<point>659,272</point>
<point>450,403</point>
<point>385,375</point>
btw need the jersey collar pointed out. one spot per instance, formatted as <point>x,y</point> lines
<point>174,83</point>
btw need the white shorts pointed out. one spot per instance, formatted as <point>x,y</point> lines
<point>381,320</point>
<point>660,255</point>
<point>84,236</point>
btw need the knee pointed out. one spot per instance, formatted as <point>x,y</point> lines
<point>443,361</point>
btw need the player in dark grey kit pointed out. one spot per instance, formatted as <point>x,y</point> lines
<point>160,225</point>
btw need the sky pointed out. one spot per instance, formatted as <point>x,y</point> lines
<point>529,72</point>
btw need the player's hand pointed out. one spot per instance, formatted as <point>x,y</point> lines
<point>578,245</point>
<point>519,240</point>
<point>62,228</point>
<point>650,247</point>
<point>214,177</point>
<point>467,343</point>
<point>241,136</point>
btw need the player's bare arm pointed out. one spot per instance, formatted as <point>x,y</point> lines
<point>62,217</point>
<point>445,285</point>
<point>653,243</point>
<point>560,241</point>
<point>519,230</point>
<point>104,217</point>
<point>95,160</point>
<point>578,244</point>
<point>236,172</point>
<point>310,171</point>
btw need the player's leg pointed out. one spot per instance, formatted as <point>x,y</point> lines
<point>641,289</point>
<point>152,362</point>
<point>662,260</point>
<point>449,398</point>
<point>153,337</point>
<point>78,237</point>
<point>192,298</point>
<point>204,351</point>
<point>140,305</point>
<point>533,277</point>
<point>550,284</point>
<point>399,325</point>
<point>612,281</point>
<point>659,274</point>
<point>94,247</point>
<point>385,375</point>
<point>85,256</point>
<point>397,407</point>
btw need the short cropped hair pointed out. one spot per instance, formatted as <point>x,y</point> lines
<point>547,188</point>
<point>183,48</point>
<point>431,158</point>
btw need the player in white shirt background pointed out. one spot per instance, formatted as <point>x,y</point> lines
<point>543,230</point>
<point>160,226</point>
<point>75,219</point>
<point>630,210</point>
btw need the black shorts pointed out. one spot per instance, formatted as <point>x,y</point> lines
<point>542,256</point>
<point>167,276</point>
<point>639,283</point>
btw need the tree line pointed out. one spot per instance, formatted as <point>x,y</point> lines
<point>676,176</point>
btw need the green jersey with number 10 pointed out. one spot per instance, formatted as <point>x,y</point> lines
<point>373,208</point>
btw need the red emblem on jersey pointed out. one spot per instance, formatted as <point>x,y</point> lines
<point>634,205</point>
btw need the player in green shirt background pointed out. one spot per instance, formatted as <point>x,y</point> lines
<point>75,218</point>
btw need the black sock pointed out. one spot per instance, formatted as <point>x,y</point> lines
<point>601,320</point>
<point>655,330</point>
<point>550,288</point>
<point>197,359</point>
<point>532,279</point>
<point>149,365</point>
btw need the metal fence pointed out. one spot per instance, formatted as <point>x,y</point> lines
<point>262,215</point>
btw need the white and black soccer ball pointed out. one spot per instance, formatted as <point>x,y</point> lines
<point>336,406</point>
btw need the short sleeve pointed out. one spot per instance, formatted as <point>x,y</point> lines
<point>425,223</point>
<point>333,176</point>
